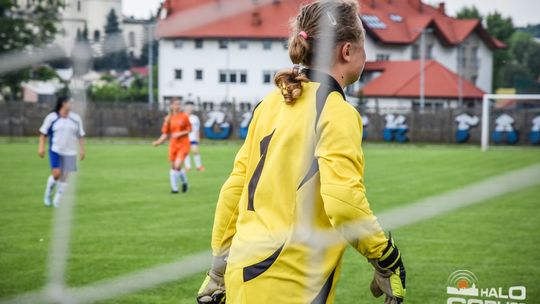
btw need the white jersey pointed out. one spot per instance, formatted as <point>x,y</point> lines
<point>63,132</point>
<point>195,128</point>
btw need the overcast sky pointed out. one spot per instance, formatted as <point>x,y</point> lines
<point>523,12</point>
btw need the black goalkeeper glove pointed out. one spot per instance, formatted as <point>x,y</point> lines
<point>389,276</point>
<point>212,290</point>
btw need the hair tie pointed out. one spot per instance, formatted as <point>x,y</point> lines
<point>303,34</point>
<point>298,69</point>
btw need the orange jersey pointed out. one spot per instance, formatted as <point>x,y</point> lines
<point>176,123</point>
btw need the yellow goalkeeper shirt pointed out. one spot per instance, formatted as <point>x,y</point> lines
<point>296,188</point>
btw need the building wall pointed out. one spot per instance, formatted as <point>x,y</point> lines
<point>96,12</point>
<point>446,55</point>
<point>484,75</point>
<point>211,60</point>
<point>135,36</point>
<point>394,53</point>
<point>93,14</point>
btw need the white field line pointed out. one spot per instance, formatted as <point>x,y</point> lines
<point>396,218</point>
<point>463,197</point>
<point>436,205</point>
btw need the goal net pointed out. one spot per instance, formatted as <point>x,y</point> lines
<point>498,124</point>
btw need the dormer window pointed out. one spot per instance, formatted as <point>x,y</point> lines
<point>396,18</point>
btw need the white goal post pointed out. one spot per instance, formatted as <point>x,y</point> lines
<point>486,108</point>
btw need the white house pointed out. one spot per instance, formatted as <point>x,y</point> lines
<point>235,57</point>
<point>92,14</point>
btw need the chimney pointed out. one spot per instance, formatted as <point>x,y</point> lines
<point>417,5</point>
<point>276,2</point>
<point>373,3</point>
<point>442,8</point>
<point>256,19</point>
<point>390,2</point>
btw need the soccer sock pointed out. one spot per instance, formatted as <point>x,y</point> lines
<point>173,174</point>
<point>183,177</point>
<point>187,162</point>
<point>198,160</point>
<point>51,183</point>
<point>58,196</point>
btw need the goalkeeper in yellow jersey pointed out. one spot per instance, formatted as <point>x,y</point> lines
<point>296,195</point>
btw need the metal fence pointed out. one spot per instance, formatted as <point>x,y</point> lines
<point>229,121</point>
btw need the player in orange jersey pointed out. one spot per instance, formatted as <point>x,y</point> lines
<point>176,127</point>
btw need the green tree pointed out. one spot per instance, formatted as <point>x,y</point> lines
<point>511,71</point>
<point>526,52</point>
<point>31,25</point>
<point>524,49</point>
<point>533,29</point>
<point>502,29</point>
<point>115,56</point>
<point>469,13</point>
<point>44,73</point>
<point>143,58</point>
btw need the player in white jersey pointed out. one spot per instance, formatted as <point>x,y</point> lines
<point>65,132</point>
<point>194,138</point>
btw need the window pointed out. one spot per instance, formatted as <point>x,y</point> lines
<point>79,6</point>
<point>373,22</point>
<point>396,18</point>
<point>131,39</point>
<point>415,52</point>
<point>198,74</point>
<point>383,57</point>
<point>232,77</point>
<point>178,44</point>
<point>178,74</point>
<point>267,76</point>
<point>461,57</point>
<point>198,43</point>
<point>243,44</point>
<point>223,44</point>
<point>286,45</point>
<point>267,44</point>
<point>97,35</point>
<point>475,62</point>
<point>222,76</point>
<point>429,53</point>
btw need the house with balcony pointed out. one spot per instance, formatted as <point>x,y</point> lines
<point>232,56</point>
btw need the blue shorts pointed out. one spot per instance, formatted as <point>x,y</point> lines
<point>66,163</point>
<point>194,142</point>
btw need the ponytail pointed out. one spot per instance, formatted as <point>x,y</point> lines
<point>289,81</point>
<point>340,16</point>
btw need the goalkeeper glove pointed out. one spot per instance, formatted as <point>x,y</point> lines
<point>212,290</point>
<point>389,276</point>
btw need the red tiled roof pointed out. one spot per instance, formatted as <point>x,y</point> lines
<point>402,79</point>
<point>270,20</point>
<point>274,19</point>
<point>417,16</point>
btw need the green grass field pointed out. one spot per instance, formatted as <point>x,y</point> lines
<point>126,220</point>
